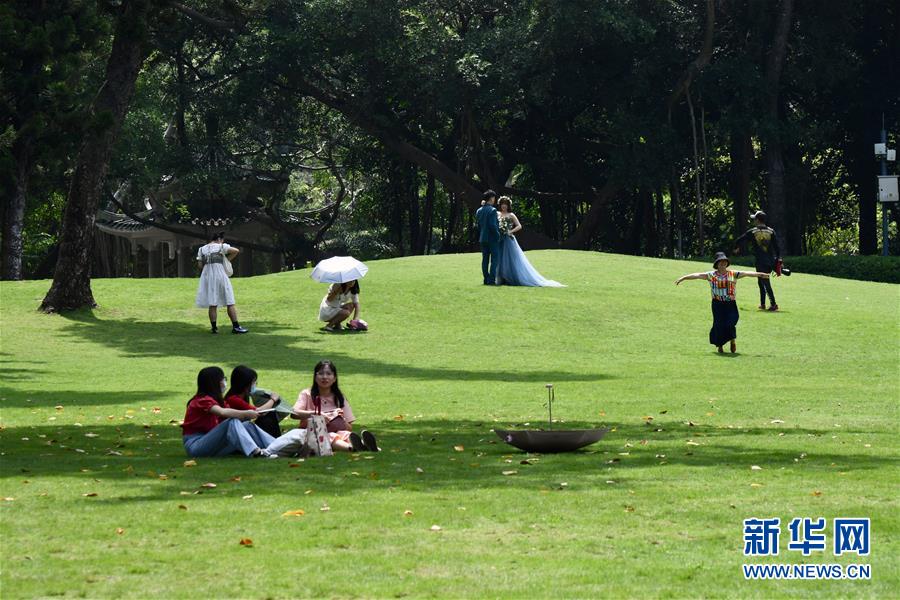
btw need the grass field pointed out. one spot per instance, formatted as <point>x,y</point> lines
<point>97,501</point>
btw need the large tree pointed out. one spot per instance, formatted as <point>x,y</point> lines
<point>71,286</point>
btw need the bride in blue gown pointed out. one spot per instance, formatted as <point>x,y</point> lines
<point>514,268</point>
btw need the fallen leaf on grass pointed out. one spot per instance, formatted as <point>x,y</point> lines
<point>692,443</point>
<point>756,485</point>
<point>91,435</point>
<point>8,499</point>
<point>436,527</point>
<point>90,494</point>
<point>755,468</point>
<point>459,448</point>
<point>182,507</point>
<point>307,492</point>
<point>407,513</point>
<point>325,508</point>
<point>156,410</point>
<point>163,477</point>
<point>235,478</point>
<point>190,463</point>
<point>419,470</point>
<point>246,542</point>
<point>775,421</point>
<point>510,472</point>
<point>294,513</point>
<point>398,418</point>
<point>294,465</point>
<point>247,497</point>
<point>208,485</point>
<point>816,493</point>
<point>629,508</point>
<point>525,462</point>
<point>119,530</point>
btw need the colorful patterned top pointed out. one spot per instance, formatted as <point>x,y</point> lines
<point>722,285</point>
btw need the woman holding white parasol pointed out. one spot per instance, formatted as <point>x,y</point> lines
<point>342,300</point>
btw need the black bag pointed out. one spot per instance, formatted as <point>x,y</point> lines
<point>268,422</point>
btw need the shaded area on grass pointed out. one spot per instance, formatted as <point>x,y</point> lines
<point>272,350</point>
<point>452,455</point>
<point>24,398</point>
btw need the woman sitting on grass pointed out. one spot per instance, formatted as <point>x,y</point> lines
<point>243,389</point>
<point>341,302</point>
<point>724,307</point>
<point>212,429</point>
<point>325,396</point>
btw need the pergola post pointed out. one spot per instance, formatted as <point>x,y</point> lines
<point>277,262</point>
<point>185,256</point>
<point>245,263</point>
<point>154,259</point>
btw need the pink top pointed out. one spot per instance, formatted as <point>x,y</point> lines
<point>329,406</point>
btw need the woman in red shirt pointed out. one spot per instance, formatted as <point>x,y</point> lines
<point>243,395</point>
<point>210,428</point>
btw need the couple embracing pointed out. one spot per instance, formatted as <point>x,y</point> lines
<point>502,260</point>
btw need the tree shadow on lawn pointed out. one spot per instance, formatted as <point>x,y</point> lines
<point>263,349</point>
<point>19,398</point>
<point>132,452</point>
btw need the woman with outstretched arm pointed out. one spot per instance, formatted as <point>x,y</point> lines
<point>724,308</point>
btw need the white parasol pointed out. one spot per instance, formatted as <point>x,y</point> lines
<point>339,269</point>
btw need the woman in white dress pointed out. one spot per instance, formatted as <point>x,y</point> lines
<point>341,301</point>
<point>215,287</point>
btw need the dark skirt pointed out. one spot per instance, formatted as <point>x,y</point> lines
<point>725,318</point>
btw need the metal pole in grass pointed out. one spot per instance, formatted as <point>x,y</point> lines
<point>884,213</point>
<point>550,397</point>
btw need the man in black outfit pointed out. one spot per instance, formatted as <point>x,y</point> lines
<point>767,253</point>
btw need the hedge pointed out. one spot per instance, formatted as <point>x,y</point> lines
<point>884,269</point>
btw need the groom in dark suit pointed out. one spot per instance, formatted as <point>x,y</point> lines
<point>489,236</point>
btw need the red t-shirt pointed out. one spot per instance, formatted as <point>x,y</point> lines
<point>197,418</point>
<point>238,403</point>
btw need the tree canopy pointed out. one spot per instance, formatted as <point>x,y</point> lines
<point>635,126</point>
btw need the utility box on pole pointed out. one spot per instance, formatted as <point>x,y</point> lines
<point>887,188</point>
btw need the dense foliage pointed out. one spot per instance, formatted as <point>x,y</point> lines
<point>633,126</point>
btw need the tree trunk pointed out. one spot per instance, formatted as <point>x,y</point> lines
<point>741,151</point>
<point>774,156</point>
<point>428,218</point>
<point>584,235</point>
<point>411,189</point>
<point>675,247</point>
<point>71,287</point>
<point>861,168</point>
<point>14,220</point>
<point>697,186</point>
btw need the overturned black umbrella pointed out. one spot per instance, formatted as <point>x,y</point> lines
<point>550,440</point>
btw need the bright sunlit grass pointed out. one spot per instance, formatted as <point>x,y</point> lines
<point>97,502</point>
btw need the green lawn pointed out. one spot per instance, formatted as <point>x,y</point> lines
<point>97,501</point>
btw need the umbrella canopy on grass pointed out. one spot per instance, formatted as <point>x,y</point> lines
<point>551,441</point>
<point>339,269</point>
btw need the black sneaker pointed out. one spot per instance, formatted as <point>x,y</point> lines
<point>239,329</point>
<point>356,442</point>
<point>214,331</point>
<point>371,444</point>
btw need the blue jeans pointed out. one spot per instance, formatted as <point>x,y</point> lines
<point>490,258</point>
<point>228,437</point>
